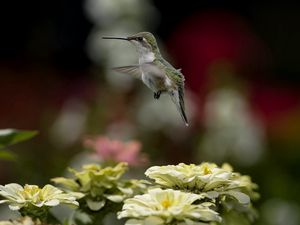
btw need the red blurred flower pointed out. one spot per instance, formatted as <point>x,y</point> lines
<point>279,108</point>
<point>205,39</point>
<point>116,150</point>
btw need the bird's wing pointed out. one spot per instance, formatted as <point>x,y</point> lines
<point>153,69</point>
<point>177,94</point>
<point>133,70</point>
<point>174,74</point>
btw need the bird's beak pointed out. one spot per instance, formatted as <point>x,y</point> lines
<point>117,38</point>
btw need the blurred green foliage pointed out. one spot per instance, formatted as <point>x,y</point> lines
<point>10,137</point>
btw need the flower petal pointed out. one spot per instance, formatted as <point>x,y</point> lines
<point>115,198</point>
<point>52,202</point>
<point>95,205</point>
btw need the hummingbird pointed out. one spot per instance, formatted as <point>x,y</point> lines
<point>154,71</point>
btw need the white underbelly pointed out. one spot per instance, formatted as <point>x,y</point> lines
<point>150,82</point>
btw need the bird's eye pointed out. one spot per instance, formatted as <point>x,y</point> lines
<point>139,38</point>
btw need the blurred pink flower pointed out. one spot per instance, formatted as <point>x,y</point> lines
<point>116,150</point>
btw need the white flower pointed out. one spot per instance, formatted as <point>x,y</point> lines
<point>102,184</point>
<point>18,197</point>
<point>165,206</point>
<point>22,221</point>
<point>206,179</point>
<point>203,177</point>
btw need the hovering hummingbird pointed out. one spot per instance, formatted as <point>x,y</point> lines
<point>156,73</point>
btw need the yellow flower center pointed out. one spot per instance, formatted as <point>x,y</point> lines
<point>166,203</point>
<point>207,170</point>
<point>31,190</point>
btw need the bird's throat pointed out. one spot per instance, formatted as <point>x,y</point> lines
<point>146,57</point>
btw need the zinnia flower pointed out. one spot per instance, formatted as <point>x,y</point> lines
<point>22,221</point>
<point>117,151</point>
<point>167,207</point>
<point>242,183</point>
<point>205,178</point>
<point>101,184</point>
<point>34,201</point>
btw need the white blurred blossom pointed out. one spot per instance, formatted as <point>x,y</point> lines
<point>162,114</point>
<point>232,131</point>
<point>113,53</point>
<point>109,12</point>
<point>117,18</point>
<point>280,212</point>
<point>69,125</point>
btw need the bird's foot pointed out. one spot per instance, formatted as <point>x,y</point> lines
<point>157,94</point>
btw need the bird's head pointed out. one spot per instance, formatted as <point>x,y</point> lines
<point>144,42</point>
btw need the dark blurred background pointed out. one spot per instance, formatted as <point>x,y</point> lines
<point>241,66</point>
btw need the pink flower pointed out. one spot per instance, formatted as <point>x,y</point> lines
<point>116,150</point>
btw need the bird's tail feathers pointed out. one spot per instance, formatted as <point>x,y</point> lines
<point>177,98</point>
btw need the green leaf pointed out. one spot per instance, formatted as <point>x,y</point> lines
<point>241,197</point>
<point>7,155</point>
<point>13,136</point>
